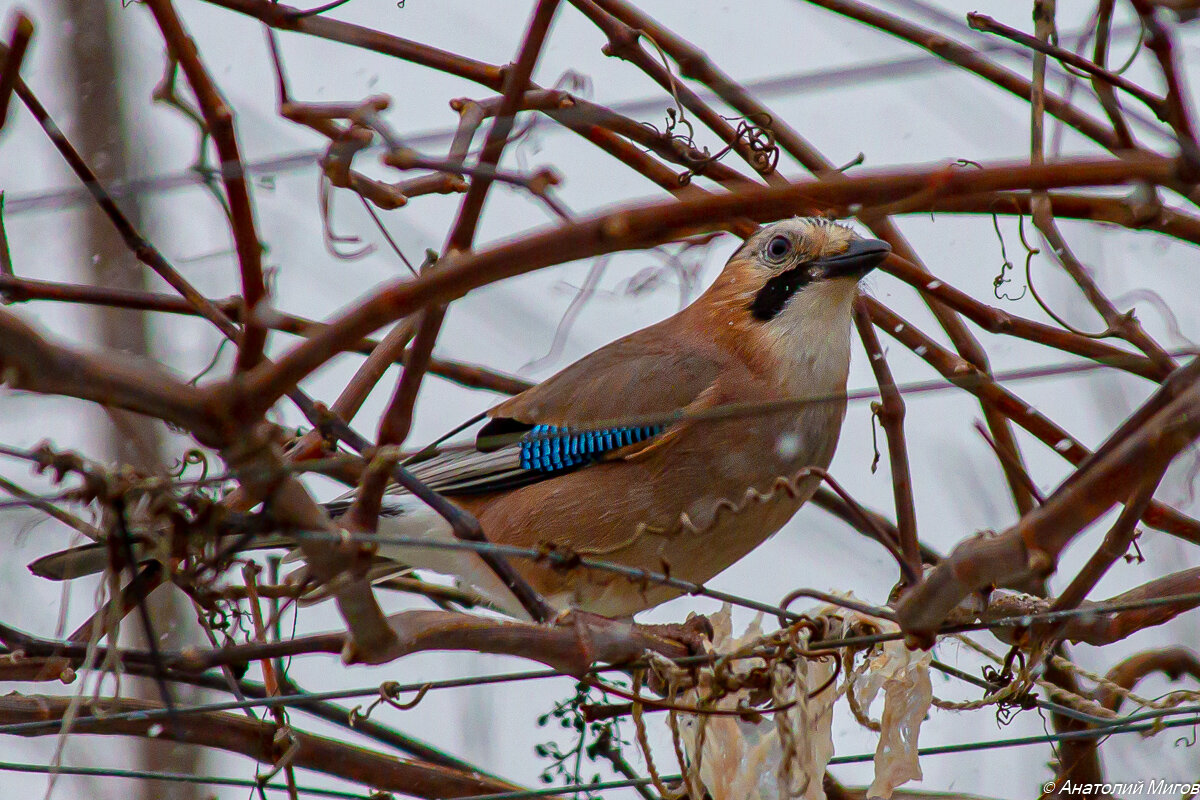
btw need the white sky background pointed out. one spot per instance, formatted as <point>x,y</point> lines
<point>933,115</point>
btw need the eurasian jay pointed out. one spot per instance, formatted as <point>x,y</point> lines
<point>690,497</point>
<point>685,494</point>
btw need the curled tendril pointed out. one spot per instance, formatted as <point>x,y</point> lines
<point>1008,708</point>
<point>192,457</point>
<point>675,117</point>
<point>212,363</point>
<point>388,691</point>
<point>1104,334</point>
<point>216,619</point>
<point>760,139</point>
<point>876,411</point>
<point>321,9</point>
<point>757,137</point>
<point>1002,276</point>
<point>229,618</point>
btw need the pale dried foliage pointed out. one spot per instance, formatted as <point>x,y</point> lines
<point>787,756</point>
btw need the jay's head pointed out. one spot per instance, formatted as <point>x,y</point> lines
<point>801,264</point>
<point>792,285</point>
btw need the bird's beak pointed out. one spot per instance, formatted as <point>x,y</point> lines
<point>862,256</point>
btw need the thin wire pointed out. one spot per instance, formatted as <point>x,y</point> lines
<point>174,777</point>
<point>864,757</point>
<point>728,411</point>
<point>967,747</point>
<point>315,465</point>
<point>1101,731</point>
<point>783,85</point>
<point>312,12</point>
<point>134,774</point>
<point>1024,620</point>
<point>1047,705</point>
<point>635,573</point>
<point>930,386</point>
<point>285,700</point>
<point>569,560</point>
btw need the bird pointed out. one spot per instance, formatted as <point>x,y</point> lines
<point>624,456</point>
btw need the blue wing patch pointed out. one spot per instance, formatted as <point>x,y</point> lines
<point>550,448</point>
<point>529,455</point>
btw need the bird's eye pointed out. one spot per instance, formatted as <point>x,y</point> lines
<point>778,248</point>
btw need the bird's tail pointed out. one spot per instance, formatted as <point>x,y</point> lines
<point>404,522</point>
<point>89,559</point>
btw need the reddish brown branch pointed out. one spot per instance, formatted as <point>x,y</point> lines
<point>984,23</point>
<point>1105,628</point>
<point>1132,212</point>
<point>581,115</point>
<point>397,418</point>
<point>21,290</point>
<point>139,246</point>
<point>1114,545</point>
<point>17,667</point>
<point>386,352</point>
<point>891,414</point>
<point>652,224</point>
<point>969,348</point>
<point>516,81</point>
<point>696,65</point>
<point>218,118</point>
<point>960,372</point>
<point>1124,325</point>
<point>1155,603</point>
<point>10,63</point>
<point>253,739</point>
<point>29,361</point>
<point>571,645</point>
<point>286,18</point>
<point>1031,547</point>
<point>1174,662</point>
<point>133,594</point>
<point>971,61</point>
<point>1158,41</point>
<point>624,42</point>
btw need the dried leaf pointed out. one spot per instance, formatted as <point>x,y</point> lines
<point>786,756</point>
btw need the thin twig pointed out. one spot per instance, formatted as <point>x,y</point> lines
<point>984,23</point>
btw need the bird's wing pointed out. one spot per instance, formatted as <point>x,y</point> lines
<point>652,371</point>
<point>552,428</point>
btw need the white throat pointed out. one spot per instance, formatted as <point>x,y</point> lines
<point>810,338</point>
